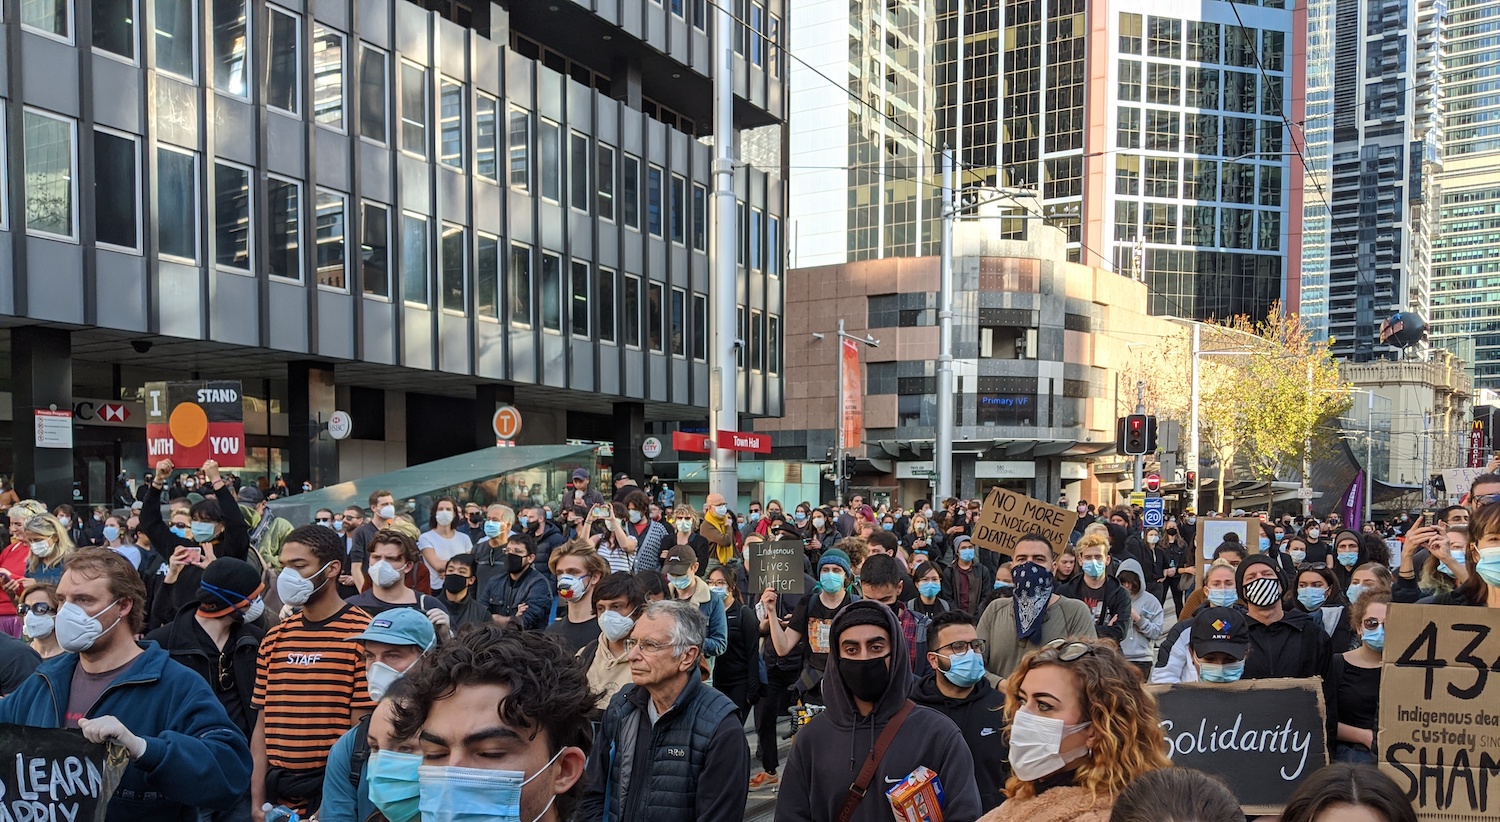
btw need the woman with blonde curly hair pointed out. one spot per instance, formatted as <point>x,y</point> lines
<point>1081,728</point>
<point>50,544</point>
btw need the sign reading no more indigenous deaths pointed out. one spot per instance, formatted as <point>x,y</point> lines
<point>1008,516</point>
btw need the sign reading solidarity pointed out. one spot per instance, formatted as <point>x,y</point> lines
<point>192,422</point>
<point>778,565</point>
<point>1008,516</point>
<point>1439,734</point>
<point>1262,737</point>
<point>56,775</point>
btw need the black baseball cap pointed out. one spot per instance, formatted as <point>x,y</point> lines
<point>680,560</point>
<point>1220,630</point>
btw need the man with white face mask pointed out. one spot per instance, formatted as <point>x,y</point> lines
<point>185,754</point>
<point>382,511</point>
<point>393,562</point>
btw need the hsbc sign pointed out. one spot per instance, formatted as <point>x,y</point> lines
<point>110,413</point>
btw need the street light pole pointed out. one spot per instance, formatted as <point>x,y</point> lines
<point>1370,457</point>
<point>1193,459</point>
<point>723,468</point>
<point>942,446</point>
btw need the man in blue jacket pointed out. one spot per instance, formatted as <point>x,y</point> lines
<point>185,753</point>
<point>521,595</point>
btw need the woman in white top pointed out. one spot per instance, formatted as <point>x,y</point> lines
<point>442,541</point>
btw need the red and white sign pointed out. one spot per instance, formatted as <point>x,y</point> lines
<point>1476,445</point>
<point>651,448</point>
<point>692,443</point>
<point>741,441</point>
<point>54,429</point>
<point>109,413</point>
<point>1153,482</point>
<point>506,422</point>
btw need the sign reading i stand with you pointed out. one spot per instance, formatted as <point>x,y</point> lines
<point>1439,734</point>
<point>192,422</point>
<point>1007,517</point>
<point>50,775</point>
<point>778,565</point>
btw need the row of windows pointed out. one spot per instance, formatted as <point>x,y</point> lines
<point>1243,183</point>
<point>1168,84</point>
<point>1203,133</point>
<point>1204,226</point>
<point>1202,42</point>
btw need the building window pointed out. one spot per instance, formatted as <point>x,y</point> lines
<point>773,246</point>
<point>1202,87</point>
<point>1239,92</point>
<point>1203,42</point>
<point>231,33</point>
<point>677,7</point>
<point>283,219</point>
<point>678,327</point>
<point>415,258</point>
<point>50,17</point>
<point>1161,223</point>
<point>630,191</point>
<point>632,324</point>
<point>773,48</point>
<point>487,137</point>
<point>233,225</point>
<point>454,247</point>
<point>606,302</point>
<point>1239,183</point>
<point>114,27</point>
<point>332,259</point>
<point>1130,33</point>
<point>757,220</point>
<point>578,171</point>
<point>1200,179</point>
<point>1128,174</point>
<point>1270,186</point>
<point>700,15</point>
<point>773,345</point>
<point>117,190</point>
<point>177,38</point>
<point>1162,130</point>
<point>1268,238</point>
<point>1161,177</point>
<point>282,84</point>
<point>451,123</point>
<point>1200,225</point>
<point>519,146</point>
<point>1163,84</point>
<point>700,217</point>
<point>1127,220</point>
<point>655,305</point>
<point>700,327</point>
<point>520,285</point>
<point>487,277</point>
<point>1235,227</point>
<point>1128,132</point>
<point>653,200</point>
<point>742,232</point>
<point>1202,134</point>
<point>372,94</point>
<point>743,333</point>
<point>177,204</point>
<point>413,109</point>
<point>579,286</point>
<point>605,157</point>
<point>4,173</point>
<point>1130,81</point>
<point>679,210</point>
<point>757,34</point>
<point>328,77</point>
<point>549,160</point>
<point>552,293</point>
<point>1166,38</point>
<point>1273,50</point>
<point>375,249</point>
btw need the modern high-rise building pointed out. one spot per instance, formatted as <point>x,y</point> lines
<point>409,211</point>
<point>1466,255</point>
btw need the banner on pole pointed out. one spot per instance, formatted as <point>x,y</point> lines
<point>1353,509</point>
<point>851,395</point>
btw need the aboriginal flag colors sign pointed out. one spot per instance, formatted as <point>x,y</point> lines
<point>51,775</point>
<point>192,422</point>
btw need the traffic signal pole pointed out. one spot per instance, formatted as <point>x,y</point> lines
<point>1140,459</point>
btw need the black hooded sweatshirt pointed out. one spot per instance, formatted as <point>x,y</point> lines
<point>833,747</point>
<point>980,717</point>
<point>1295,646</point>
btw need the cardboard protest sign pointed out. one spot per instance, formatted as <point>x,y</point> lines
<point>48,774</point>
<point>1212,530</point>
<point>1008,516</point>
<point>192,422</point>
<point>1262,737</point>
<point>1439,734</point>
<point>778,565</point>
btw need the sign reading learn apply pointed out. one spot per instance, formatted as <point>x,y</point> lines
<point>1439,732</point>
<point>1007,517</point>
<point>55,775</point>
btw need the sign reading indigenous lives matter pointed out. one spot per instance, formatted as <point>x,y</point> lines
<point>49,775</point>
<point>1262,737</point>
<point>1439,734</point>
<point>778,565</point>
<point>1008,516</point>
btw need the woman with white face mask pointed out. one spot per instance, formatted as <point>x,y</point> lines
<point>50,545</point>
<point>442,541</point>
<point>1081,728</point>
<point>38,618</point>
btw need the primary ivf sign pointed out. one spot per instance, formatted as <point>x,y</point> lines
<point>192,422</point>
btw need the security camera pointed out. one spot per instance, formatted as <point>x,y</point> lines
<point>739,342</point>
<point>141,346</point>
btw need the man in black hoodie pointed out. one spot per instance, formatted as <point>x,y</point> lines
<point>865,693</point>
<point>959,690</point>
<point>1283,642</point>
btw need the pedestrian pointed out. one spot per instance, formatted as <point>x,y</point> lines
<point>1283,642</point>
<point>394,565</point>
<point>310,683</point>
<point>1106,599</point>
<point>1354,683</point>
<point>1218,639</point>
<point>958,689</point>
<point>382,513</point>
<point>579,570</point>
<point>1034,614</point>
<point>185,754</point>
<point>806,633</point>
<point>968,578</point>
<point>669,748</point>
<point>1145,622</point>
<point>646,535</point>
<point>1176,795</point>
<point>581,497</point>
<point>520,596</point>
<point>872,726</point>
<point>881,578</point>
<point>929,601</point>
<point>50,546</point>
<point>441,541</point>
<point>684,584</point>
<point>1482,556</point>
<point>17,662</point>
<point>1320,596</point>
<point>1082,727</point>
<point>460,594</point>
<point>1342,792</point>
<point>1233,554</point>
<point>39,607</point>
<point>617,603</point>
<point>737,670</point>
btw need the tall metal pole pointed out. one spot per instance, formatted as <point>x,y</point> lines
<point>942,447</point>
<point>1193,460</point>
<point>1306,460</point>
<point>723,470</point>
<point>838,416</point>
<point>1370,458</point>
<point>1140,460</point>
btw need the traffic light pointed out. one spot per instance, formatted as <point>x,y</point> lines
<point>1135,435</point>
<point>1190,480</point>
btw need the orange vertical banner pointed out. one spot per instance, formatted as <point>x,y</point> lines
<point>852,396</point>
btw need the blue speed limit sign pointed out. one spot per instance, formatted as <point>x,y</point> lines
<point>1154,513</point>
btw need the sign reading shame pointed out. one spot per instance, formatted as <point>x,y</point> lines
<point>778,565</point>
<point>49,775</point>
<point>1439,734</point>
<point>1262,737</point>
<point>1007,517</point>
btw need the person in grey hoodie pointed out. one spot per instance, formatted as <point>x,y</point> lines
<point>864,692</point>
<point>1145,617</point>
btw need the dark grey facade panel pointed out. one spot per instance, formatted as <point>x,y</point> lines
<point>54,280</point>
<point>234,310</point>
<point>416,338</point>
<point>335,318</point>
<point>120,289</point>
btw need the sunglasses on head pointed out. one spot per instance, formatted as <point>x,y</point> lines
<point>1066,650</point>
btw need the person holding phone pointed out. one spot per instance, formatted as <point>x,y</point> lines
<point>581,497</point>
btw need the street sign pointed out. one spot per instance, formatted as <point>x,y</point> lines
<point>1137,498</point>
<point>651,448</point>
<point>1305,493</point>
<point>690,442</point>
<point>743,441</point>
<point>1154,515</point>
<point>506,422</point>
<point>340,425</point>
<point>1153,482</point>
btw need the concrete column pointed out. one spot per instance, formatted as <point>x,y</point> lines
<point>486,399</point>
<point>630,430</point>
<point>625,82</point>
<point>312,454</point>
<point>41,368</point>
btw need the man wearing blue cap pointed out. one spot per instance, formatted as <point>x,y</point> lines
<point>393,643</point>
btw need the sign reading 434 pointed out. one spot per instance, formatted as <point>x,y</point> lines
<point>192,422</point>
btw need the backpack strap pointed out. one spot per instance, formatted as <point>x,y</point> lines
<point>867,773</point>
<point>361,753</point>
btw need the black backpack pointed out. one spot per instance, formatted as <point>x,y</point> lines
<point>361,753</point>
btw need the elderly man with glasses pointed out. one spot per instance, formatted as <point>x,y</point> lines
<point>670,748</point>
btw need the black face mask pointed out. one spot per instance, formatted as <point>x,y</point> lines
<point>867,678</point>
<point>514,563</point>
<point>453,583</point>
<point>476,517</point>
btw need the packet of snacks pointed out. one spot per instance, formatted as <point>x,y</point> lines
<point>918,797</point>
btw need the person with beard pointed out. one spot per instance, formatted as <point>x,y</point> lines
<point>1034,614</point>
<point>957,688</point>
<point>872,735</point>
<point>460,593</point>
<point>1283,642</point>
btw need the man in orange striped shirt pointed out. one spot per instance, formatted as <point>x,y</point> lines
<point>310,681</point>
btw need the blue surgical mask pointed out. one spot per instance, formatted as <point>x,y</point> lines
<point>831,582</point>
<point>1488,566</point>
<point>680,583</point>
<point>1375,639</point>
<point>1348,559</point>
<point>929,589</point>
<point>474,794</point>
<point>1298,557</point>
<point>1312,598</point>
<point>179,532</point>
<point>888,526</point>
<point>202,531</point>
<point>547,514</point>
<point>1003,586</point>
<point>799,516</point>
<point>1222,597</point>
<point>1093,568</point>
<point>721,510</point>
<point>1265,544</point>
<point>1225,672</point>
<point>111,533</point>
<point>524,522</point>
<point>491,528</point>
<point>1353,593</point>
<point>392,780</point>
<point>755,516</point>
<point>966,554</point>
<point>965,669</point>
